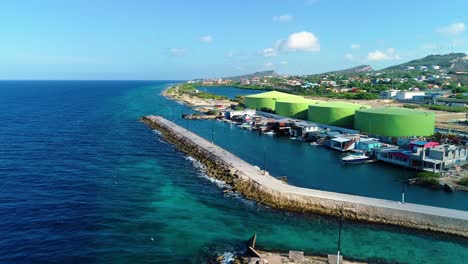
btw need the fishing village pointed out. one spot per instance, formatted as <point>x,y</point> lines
<point>398,136</point>
<point>361,133</point>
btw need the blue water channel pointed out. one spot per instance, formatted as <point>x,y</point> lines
<point>83,181</point>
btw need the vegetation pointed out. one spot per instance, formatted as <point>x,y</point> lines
<point>411,106</point>
<point>193,91</point>
<point>463,181</point>
<point>459,109</point>
<point>428,178</point>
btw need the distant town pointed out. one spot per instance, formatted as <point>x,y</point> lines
<point>428,83</point>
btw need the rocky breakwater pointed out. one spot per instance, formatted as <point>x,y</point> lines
<point>253,184</point>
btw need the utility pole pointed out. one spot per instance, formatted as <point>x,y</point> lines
<point>339,241</point>
<point>212,133</point>
<point>403,193</point>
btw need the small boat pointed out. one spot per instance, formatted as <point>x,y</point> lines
<point>355,158</point>
<point>315,144</point>
<point>270,133</point>
<point>245,126</point>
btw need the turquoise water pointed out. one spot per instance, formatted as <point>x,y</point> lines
<point>83,181</point>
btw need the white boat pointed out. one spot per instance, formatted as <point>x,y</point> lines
<point>245,126</point>
<point>270,133</point>
<point>355,158</point>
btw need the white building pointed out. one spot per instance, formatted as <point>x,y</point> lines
<point>409,68</point>
<point>407,95</point>
<point>388,94</point>
<point>435,67</point>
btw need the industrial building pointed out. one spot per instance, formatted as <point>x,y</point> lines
<point>334,113</point>
<point>395,122</point>
<point>293,107</point>
<point>268,100</point>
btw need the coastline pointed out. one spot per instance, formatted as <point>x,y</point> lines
<point>250,182</point>
<point>193,100</point>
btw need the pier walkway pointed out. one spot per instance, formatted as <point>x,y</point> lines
<point>455,219</point>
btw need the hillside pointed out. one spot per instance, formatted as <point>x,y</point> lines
<point>451,61</point>
<point>354,70</point>
<point>252,75</point>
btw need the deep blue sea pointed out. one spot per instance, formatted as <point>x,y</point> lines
<point>82,181</point>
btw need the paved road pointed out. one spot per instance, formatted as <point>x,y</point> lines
<point>253,173</point>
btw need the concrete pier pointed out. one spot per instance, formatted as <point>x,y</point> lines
<point>252,183</point>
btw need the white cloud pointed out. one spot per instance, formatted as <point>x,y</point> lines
<point>177,51</point>
<point>283,18</point>
<point>206,39</point>
<point>303,41</point>
<point>355,46</point>
<point>268,64</point>
<point>283,62</point>
<point>388,54</point>
<point>269,52</point>
<point>349,56</point>
<point>452,29</point>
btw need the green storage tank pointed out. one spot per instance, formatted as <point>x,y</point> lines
<point>267,100</point>
<point>334,113</point>
<point>295,108</point>
<point>395,122</point>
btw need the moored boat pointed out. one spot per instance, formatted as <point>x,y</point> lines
<point>355,158</point>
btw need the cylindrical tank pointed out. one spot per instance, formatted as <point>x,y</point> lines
<point>395,122</point>
<point>293,107</point>
<point>267,100</point>
<point>334,113</point>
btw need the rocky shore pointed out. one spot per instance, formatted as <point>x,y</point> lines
<point>253,184</point>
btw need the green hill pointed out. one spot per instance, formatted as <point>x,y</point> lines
<point>451,61</point>
<point>252,75</point>
<point>354,70</point>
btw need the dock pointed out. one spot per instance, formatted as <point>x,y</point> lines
<point>254,184</point>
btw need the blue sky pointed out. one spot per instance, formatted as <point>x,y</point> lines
<point>181,39</point>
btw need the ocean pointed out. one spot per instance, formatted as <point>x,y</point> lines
<point>82,181</point>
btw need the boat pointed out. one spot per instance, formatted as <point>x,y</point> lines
<point>245,126</point>
<point>355,158</point>
<point>270,133</point>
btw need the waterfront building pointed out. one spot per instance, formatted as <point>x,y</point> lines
<point>301,129</point>
<point>434,158</point>
<point>367,144</point>
<point>343,143</point>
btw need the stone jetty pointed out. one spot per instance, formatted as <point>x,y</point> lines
<point>254,184</point>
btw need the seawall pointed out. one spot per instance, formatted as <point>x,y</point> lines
<point>253,184</point>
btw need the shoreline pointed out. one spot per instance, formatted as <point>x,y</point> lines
<point>252,184</point>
